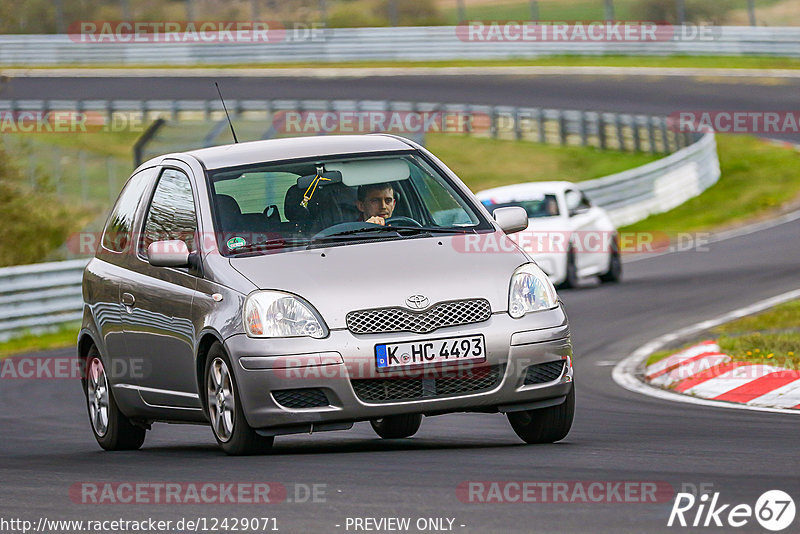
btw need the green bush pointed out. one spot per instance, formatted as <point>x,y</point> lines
<point>35,220</point>
<point>697,11</point>
<point>372,13</point>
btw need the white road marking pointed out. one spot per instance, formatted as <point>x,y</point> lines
<point>786,396</point>
<point>730,380</point>
<point>626,373</point>
<point>679,357</point>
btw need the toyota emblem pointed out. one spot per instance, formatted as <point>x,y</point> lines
<point>417,302</point>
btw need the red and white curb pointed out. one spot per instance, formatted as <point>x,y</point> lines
<point>727,384</point>
<point>703,371</point>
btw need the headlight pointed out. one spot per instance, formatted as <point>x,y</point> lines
<point>531,290</point>
<point>276,314</point>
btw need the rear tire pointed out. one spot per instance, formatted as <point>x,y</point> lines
<point>397,426</point>
<point>111,428</point>
<point>224,408</point>
<point>545,425</point>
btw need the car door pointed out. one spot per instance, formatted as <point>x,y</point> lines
<point>157,301</point>
<point>586,240</point>
<point>108,269</point>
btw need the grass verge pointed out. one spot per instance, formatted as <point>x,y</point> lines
<point>475,160</point>
<point>65,336</point>
<point>757,178</point>
<point>771,337</point>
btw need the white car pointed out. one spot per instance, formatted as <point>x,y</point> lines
<point>567,236</point>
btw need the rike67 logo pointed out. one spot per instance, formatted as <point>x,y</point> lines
<point>774,510</point>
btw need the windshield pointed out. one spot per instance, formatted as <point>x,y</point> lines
<point>546,206</point>
<point>287,205</point>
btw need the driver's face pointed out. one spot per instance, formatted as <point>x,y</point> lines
<point>377,203</point>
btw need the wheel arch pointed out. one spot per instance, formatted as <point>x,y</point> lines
<point>206,340</point>
<point>86,340</point>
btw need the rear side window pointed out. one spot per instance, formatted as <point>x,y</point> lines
<point>171,214</point>
<point>255,191</point>
<point>117,235</point>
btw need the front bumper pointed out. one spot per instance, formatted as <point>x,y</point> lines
<point>262,366</point>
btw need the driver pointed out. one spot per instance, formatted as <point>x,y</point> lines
<point>376,202</point>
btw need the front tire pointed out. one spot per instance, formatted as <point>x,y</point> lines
<point>111,428</point>
<point>545,425</point>
<point>224,408</point>
<point>614,273</point>
<point>571,280</point>
<point>397,426</point>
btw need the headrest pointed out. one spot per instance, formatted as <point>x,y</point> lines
<point>228,206</point>
<point>291,205</point>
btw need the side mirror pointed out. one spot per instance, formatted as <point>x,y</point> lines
<point>512,219</point>
<point>173,253</point>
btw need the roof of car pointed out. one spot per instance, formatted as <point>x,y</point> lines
<point>295,148</point>
<point>526,188</point>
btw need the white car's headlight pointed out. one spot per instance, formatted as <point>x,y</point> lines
<point>276,314</point>
<point>531,290</point>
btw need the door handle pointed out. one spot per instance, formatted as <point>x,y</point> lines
<point>128,299</point>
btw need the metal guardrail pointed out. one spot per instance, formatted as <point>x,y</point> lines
<point>45,295</point>
<point>387,44</point>
<point>38,296</point>
<point>633,195</point>
<point>616,131</point>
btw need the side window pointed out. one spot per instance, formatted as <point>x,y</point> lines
<point>171,214</point>
<point>117,235</point>
<point>584,202</point>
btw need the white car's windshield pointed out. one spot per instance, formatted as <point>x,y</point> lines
<point>277,206</point>
<point>545,206</point>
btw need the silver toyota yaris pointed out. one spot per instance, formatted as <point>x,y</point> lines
<point>301,285</point>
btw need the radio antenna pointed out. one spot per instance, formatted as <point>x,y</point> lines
<point>226,113</point>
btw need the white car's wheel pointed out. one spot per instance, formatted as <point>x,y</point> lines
<point>571,277</point>
<point>614,273</point>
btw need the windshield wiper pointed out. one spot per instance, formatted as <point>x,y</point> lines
<point>437,230</point>
<point>357,231</point>
<point>402,230</point>
<point>270,244</point>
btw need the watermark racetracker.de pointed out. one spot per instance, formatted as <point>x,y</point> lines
<point>196,492</point>
<point>588,31</point>
<point>183,31</point>
<point>531,240</point>
<point>68,122</point>
<point>735,121</point>
<point>564,492</point>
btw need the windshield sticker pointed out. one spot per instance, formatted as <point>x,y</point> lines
<point>235,242</point>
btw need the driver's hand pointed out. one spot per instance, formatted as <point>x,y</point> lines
<point>376,220</point>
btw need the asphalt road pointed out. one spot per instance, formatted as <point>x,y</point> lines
<point>47,446</point>
<point>658,95</point>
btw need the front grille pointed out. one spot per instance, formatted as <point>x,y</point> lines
<point>301,398</point>
<point>544,372</point>
<point>404,389</point>
<point>441,315</point>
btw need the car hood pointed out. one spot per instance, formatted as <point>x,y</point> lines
<point>340,279</point>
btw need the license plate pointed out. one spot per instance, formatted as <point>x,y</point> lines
<point>454,349</point>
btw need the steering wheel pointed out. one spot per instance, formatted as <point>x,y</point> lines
<point>400,219</point>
